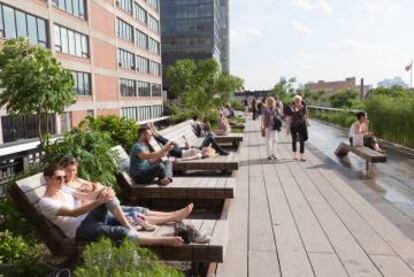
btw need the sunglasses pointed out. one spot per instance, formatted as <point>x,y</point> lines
<point>60,178</point>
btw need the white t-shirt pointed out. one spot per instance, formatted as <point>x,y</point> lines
<point>50,207</point>
<point>192,152</point>
<point>354,130</point>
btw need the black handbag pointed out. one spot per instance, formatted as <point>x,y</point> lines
<point>277,122</point>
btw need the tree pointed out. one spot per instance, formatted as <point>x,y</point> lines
<point>344,99</point>
<point>34,82</point>
<point>284,89</point>
<point>200,86</point>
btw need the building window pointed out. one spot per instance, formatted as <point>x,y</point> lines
<point>130,113</point>
<point>144,113</point>
<point>155,68</point>
<point>156,90</point>
<point>143,89</point>
<point>90,113</point>
<point>155,4</point>
<point>25,127</point>
<point>142,64</point>
<point>126,5</point>
<point>127,87</point>
<point>74,7</point>
<point>71,42</point>
<point>141,39</point>
<point>140,14</point>
<point>65,122</point>
<point>154,46</point>
<point>125,30</point>
<point>126,59</point>
<point>82,83</point>
<point>157,111</point>
<point>15,23</point>
<point>153,24</point>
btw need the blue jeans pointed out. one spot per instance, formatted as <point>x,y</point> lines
<point>160,170</point>
<point>175,152</point>
<point>209,139</point>
<point>96,225</point>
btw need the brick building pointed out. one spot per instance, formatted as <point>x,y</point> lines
<point>112,47</point>
<point>349,83</point>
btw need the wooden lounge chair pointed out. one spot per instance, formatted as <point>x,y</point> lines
<point>26,193</point>
<point>369,155</point>
<point>185,128</point>
<point>207,192</point>
<point>225,164</point>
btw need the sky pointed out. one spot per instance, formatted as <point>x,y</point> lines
<point>320,40</point>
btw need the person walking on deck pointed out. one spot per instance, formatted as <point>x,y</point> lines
<point>298,122</point>
<point>254,108</point>
<point>271,126</point>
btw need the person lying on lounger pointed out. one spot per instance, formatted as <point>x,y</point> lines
<point>136,216</point>
<point>186,153</point>
<point>87,220</point>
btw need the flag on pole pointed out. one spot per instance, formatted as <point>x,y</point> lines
<point>409,67</point>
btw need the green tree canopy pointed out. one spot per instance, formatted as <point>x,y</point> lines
<point>344,99</point>
<point>33,81</point>
<point>284,89</point>
<point>200,85</point>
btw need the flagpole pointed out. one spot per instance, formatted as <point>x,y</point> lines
<point>411,74</point>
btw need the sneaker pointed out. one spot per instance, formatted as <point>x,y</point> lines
<point>274,157</point>
<point>225,153</point>
<point>303,158</point>
<point>269,158</point>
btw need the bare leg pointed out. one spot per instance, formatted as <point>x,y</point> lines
<point>179,215</point>
<point>168,241</point>
<point>160,214</point>
<point>120,216</point>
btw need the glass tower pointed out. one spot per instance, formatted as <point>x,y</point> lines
<point>196,29</point>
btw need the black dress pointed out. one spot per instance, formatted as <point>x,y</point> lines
<point>298,128</point>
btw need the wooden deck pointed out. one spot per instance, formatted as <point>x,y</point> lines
<point>295,218</point>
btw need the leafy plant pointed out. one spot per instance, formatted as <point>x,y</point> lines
<point>13,221</point>
<point>103,259</point>
<point>122,130</point>
<point>284,89</point>
<point>344,99</point>
<point>33,82</point>
<point>92,149</point>
<point>200,86</point>
<point>18,258</point>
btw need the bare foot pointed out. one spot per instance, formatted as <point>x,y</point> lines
<point>173,241</point>
<point>165,182</point>
<point>295,157</point>
<point>184,212</point>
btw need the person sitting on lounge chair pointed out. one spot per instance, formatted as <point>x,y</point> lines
<point>88,221</point>
<point>186,153</point>
<point>146,165</point>
<point>136,216</point>
<point>201,129</point>
<point>224,125</point>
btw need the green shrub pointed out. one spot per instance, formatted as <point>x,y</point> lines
<point>92,149</point>
<point>392,117</point>
<point>14,222</point>
<point>122,130</point>
<point>18,258</point>
<point>105,259</point>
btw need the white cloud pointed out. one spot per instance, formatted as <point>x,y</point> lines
<point>310,5</point>
<point>366,48</point>
<point>379,8</point>
<point>301,28</point>
<point>241,36</point>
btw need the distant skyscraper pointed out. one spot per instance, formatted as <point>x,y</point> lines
<point>196,30</point>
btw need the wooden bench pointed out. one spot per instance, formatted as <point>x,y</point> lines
<point>185,128</point>
<point>206,192</point>
<point>224,164</point>
<point>26,193</point>
<point>369,155</point>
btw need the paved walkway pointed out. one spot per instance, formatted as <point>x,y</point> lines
<point>294,218</point>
